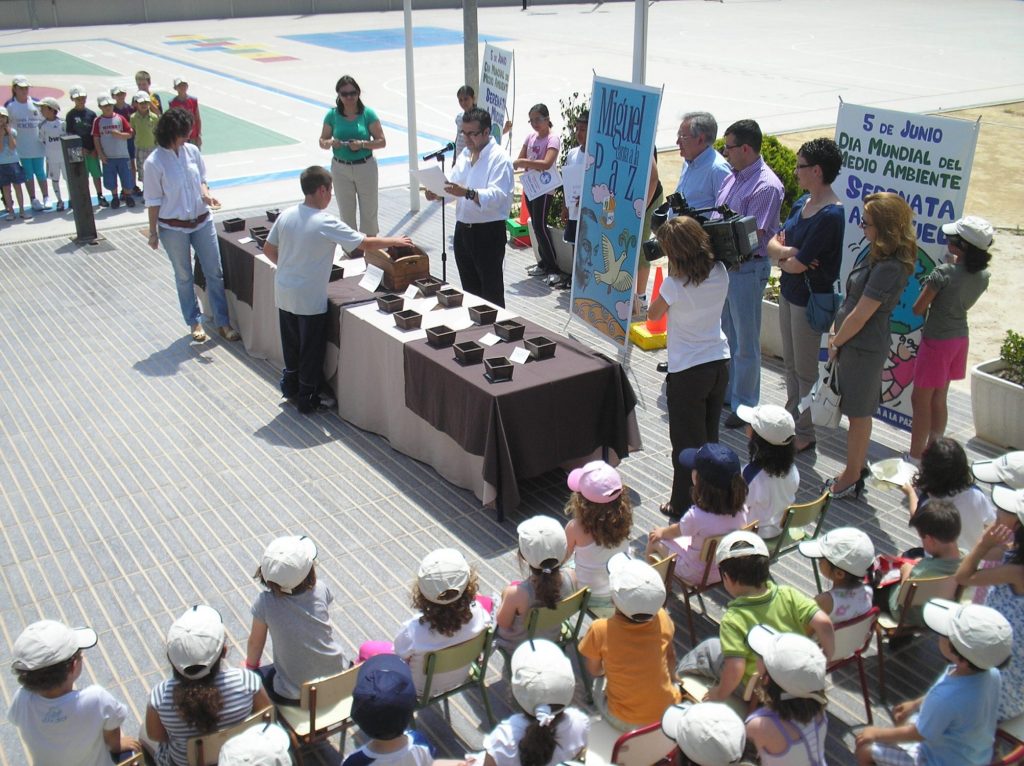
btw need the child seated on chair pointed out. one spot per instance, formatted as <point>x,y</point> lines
<point>548,731</point>
<point>448,613</point>
<point>294,611</point>
<point>630,655</point>
<point>938,525</point>
<point>954,723</point>
<point>203,695</point>
<point>771,475</point>
<point>542,547</point>
<point>707,733</point>
<point>719,497</point>
<point>743,560</point>
<point>58,723</point>
<point>792,677</point>
<point>602,518</point>
<point>844,557</point>
<point>383,703</point>
<point>263,745</point>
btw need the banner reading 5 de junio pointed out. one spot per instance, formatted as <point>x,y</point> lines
<point>927,161</point>
<point>620,145</point>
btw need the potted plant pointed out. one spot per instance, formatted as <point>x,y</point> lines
<point>771,335</point>
<point>997,395</point>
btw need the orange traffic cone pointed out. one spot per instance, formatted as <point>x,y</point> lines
<point>656,327</point>
<point>524,212</point>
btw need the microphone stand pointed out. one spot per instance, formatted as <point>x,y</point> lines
<point>444,228</point>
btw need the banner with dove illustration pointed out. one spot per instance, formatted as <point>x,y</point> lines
<point>620,145</point>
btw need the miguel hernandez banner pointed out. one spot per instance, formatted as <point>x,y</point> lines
<point>494,76</point>
<point>927,161</point>
<point>620,145</point>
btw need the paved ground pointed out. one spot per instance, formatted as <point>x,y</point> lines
<point>141,473</point>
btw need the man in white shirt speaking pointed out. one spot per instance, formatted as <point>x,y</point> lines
<point>301,243</point>
<point>482,182</point>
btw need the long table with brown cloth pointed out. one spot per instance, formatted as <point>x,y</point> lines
<point>553,412</point>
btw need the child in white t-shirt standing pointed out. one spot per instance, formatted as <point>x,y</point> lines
<point>50,131</point>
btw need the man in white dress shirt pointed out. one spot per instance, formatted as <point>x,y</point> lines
<point>482,182</point>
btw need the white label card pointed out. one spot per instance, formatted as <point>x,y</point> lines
<point>411,292</point>
<point>519,355</point>
<point>245,240</point>
<point>372,278</point>
<point>489,339</point>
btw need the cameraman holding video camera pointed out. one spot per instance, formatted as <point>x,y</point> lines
<point>698,352</point>
<point>752,190</point>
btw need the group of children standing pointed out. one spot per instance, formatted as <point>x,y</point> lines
<point>115,143</point>
<point>782,635</point>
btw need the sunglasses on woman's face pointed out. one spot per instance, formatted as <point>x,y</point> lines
<point>348,93</point>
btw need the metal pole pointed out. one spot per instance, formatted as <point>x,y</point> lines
<point>639,41</point>
<point>410,107</point>
<point>471,46</point>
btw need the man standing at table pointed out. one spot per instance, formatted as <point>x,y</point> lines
<point>301,243</point>
<point>482,182</point>
<point>751,189</point>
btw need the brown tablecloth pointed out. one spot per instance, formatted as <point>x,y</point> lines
<point>342,293</point>
<point>552,411</point>
<point>236,260</point>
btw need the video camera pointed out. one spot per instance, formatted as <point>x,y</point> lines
<point>733,236</point>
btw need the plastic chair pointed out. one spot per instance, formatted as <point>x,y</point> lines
<point>204,749</point>
<point>707,557</point>
<point>325,707</point>
<point>567,616</point>
<point>471,655</point>
<point>794,523</point>
<point>852,638</point>
<point>666,568</point>
<point>1011,732</point>
<point>643,747</point>
<point>914,592</point>
<point>696,687</point>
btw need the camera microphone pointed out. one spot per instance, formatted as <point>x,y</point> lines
<point>450,146</point>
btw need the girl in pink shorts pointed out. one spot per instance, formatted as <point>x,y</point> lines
<point>946,295</point>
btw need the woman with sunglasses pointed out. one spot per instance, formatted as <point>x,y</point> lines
<point>947,293</point>
<point>860,336</point>
<point>352,131</point>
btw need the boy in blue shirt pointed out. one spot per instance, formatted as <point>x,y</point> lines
<point>954,723</point>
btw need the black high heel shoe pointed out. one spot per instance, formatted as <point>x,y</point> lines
<point>853,489</point>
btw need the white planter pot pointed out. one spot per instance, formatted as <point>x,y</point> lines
<point>997,406</point>
<point>563,249</point>
<point>771,335</point>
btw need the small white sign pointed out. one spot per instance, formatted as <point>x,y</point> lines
<point>489,339</point>
<point>245,240</point>
<point>372,278</point>
<point>519,355</point>
<point>411,292</point>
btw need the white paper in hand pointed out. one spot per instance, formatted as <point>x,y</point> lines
<point>372,278</point>
<point>519,355</point>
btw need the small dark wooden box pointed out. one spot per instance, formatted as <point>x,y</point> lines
<point>389,303</point>
<point>449,297</point>
<point>259,234</point>
<point>497,368</point>
<point>408,319</point>
<point>440,337</point>
<point>483,314</point>
<point>469,352</point>
<point>428,286</point>
<point>509,330</point>
<point>273,214</point>
<point>234,224</point>
<point>540,347</point>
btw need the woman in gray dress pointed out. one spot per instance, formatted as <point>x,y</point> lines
<point>860,337</point>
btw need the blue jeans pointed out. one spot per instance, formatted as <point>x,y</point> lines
<point>179,245</point>
<point>741,321</point>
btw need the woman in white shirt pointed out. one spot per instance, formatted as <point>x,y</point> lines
<point>178,202</point>
<point>698,352</point>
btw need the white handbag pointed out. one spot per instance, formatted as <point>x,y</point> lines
<point>825,398</point>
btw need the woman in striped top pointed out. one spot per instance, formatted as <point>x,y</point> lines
<point>202,695</point>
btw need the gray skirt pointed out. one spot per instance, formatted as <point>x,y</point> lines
<point>860,380</point>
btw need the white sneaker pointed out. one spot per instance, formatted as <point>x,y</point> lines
<point>37,205</point>
<point>48,202</point>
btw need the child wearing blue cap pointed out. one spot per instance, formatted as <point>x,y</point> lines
<point>719,507</point>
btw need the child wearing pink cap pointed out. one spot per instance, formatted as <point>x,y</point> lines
<point>602,517</point>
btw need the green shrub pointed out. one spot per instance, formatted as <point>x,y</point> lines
<point>782,160</point>
<point>1012,354</point>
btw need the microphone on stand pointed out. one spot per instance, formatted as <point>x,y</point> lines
<point>450,146</point>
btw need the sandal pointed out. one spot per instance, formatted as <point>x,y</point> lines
<point>227,332</point>
<point>199,334</point>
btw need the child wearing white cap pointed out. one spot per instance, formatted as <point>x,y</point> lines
<point>262,745</point>
<point>548,731</point>
<point>844,557</point>
<point>25,118</point>
<point>1007,469</point>
<point>202,695</point>
<point>50,131</point>
<point>954,723</point>
<point>191,105</point>
<point>12,174</point>
<point>1005,583</point>
<point>947,294</point>
<point>707,733</point>
<point>630,655</point>
<point>295,611</point>
<point>742,558</point>
<point>602,517</point>
<point>58,723</point>
<point>771,475</point>
<point>791,728</point>
<point>542,547</point>
<point>448,613</point>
